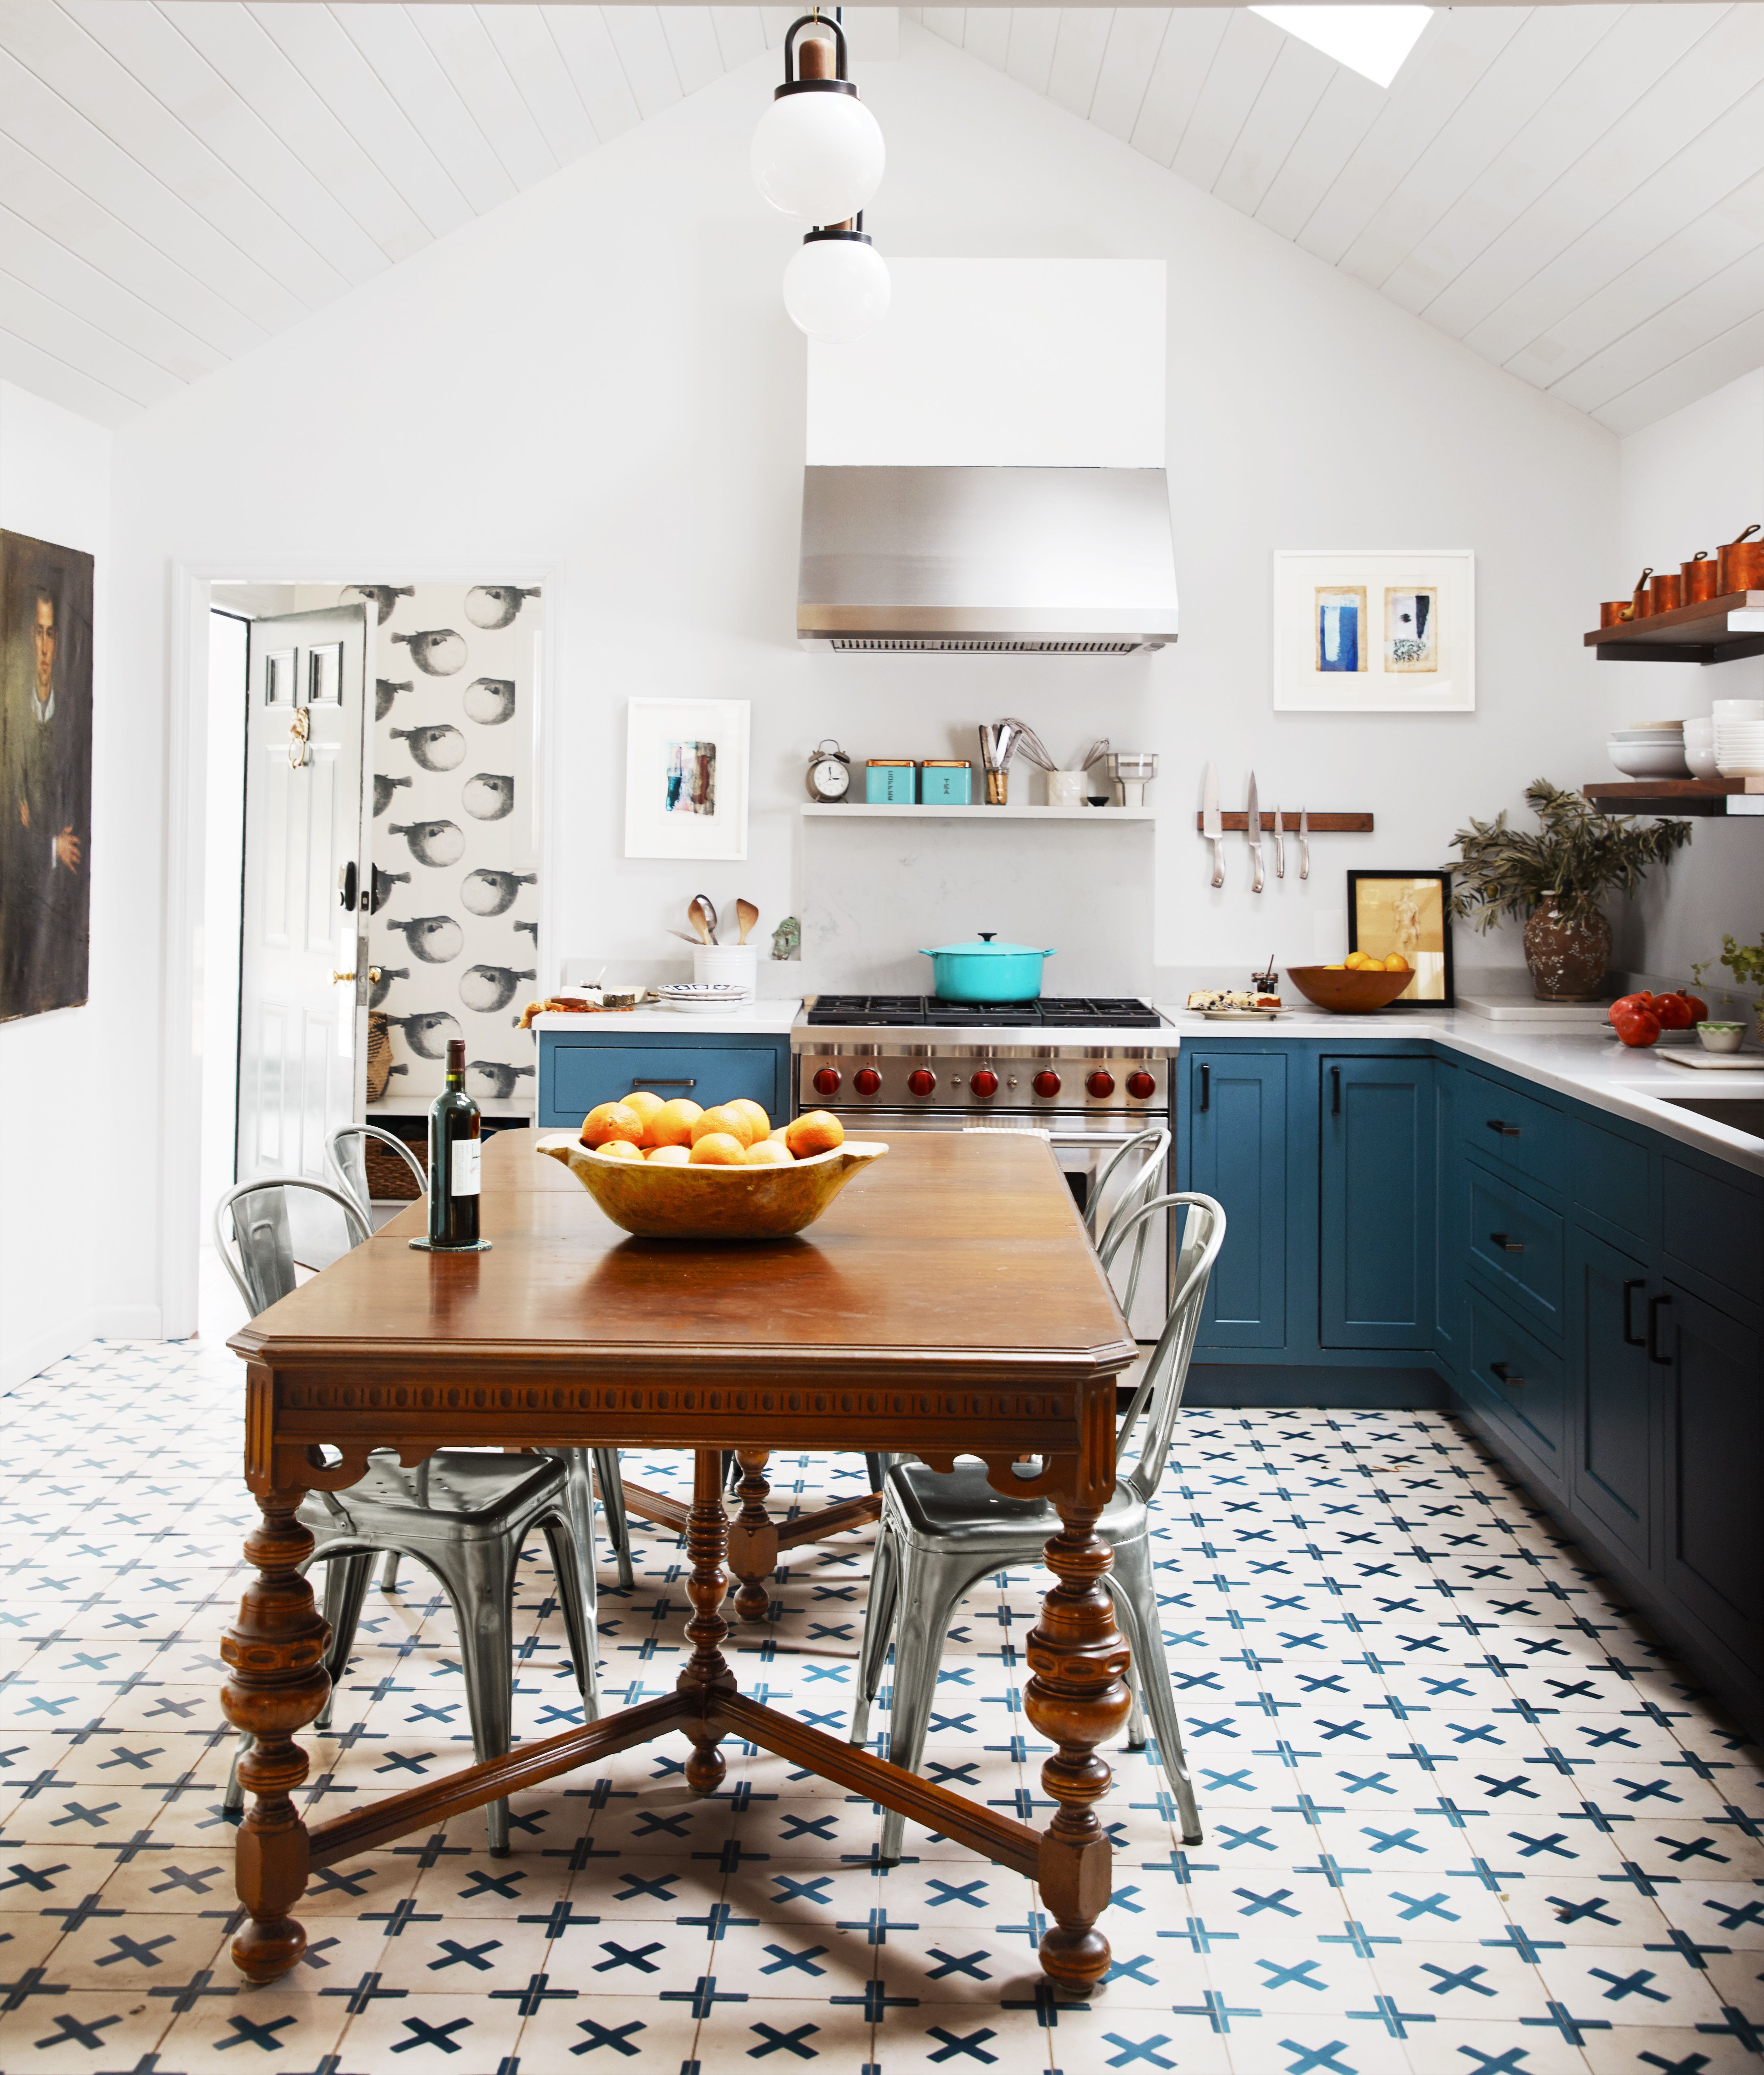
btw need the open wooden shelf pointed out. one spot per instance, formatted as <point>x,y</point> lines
<point>1719,630</point>
<point>1679,796</point>
<point>864,810</point>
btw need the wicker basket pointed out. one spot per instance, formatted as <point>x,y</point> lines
<point>389,1180</point>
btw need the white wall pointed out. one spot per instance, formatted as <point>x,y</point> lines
<point>600,379</point>
<point>1689,481</point>
<point>54,486</point>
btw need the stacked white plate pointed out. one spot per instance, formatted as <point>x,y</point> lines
<point>1699,747</point>
<point>1739,738</point>
<point>704,998</point>
<point>1653,749</point>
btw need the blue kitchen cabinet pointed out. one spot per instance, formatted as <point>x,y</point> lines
<point>1234,1149</point>
<point>1376,1200</point>
<point>578,1070</point>
<point>1612,1479</point>
<point>1451,1311</point>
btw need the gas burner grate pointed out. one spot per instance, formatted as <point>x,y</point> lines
<point>917,1011</point>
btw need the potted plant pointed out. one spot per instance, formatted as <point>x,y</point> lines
<point>1557,878</point>
<point>1745,962</point>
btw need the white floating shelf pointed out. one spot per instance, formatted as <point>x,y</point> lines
<point>864,809</point>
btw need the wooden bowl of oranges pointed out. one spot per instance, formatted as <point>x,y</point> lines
<point>1360,985</point>
<point>672,1170</point>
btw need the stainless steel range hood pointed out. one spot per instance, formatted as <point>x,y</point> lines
<point>1051,560</point>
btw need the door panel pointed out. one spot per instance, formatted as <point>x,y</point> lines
<point>1714,1522</point>
<point>1518,1242</point>
<point>1377,1202</point>
<point>1611,1477</point>
<point>1236,1152</point>
<point>301,1036</point>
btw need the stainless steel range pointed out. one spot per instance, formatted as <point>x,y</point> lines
<point>1090,1071</point>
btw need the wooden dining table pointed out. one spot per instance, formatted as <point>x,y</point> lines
<point>948,1304</point>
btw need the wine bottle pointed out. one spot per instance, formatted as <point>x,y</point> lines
<point>455,1142</point>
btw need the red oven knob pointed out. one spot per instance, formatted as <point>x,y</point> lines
<point>1047,1082</point>
<point>1101,1084</point>
<point>866,1080</point>
<point>984,1082</point>
<point>1139,1086</point>
<point>826,1081</point>
<point>922,1080</point>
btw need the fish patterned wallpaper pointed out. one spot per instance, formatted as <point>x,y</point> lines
<point>455,926</point>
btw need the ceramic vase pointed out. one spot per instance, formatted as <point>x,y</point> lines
<point>1567,959</point>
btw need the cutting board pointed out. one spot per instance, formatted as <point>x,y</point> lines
<point>1716,1063</point>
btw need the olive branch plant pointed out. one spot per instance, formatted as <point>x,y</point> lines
<point>1574,859</point>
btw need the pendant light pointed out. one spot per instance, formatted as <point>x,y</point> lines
<point>837,288</point>
<point>817,153</point>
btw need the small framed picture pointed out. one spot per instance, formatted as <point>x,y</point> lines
<point>686,778</point>
<point>1402,914</point>
<point>1380,631</point>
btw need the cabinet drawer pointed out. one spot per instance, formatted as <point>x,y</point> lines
<point>1519,1132</point>
<point>1519,1242</point>
<point>1714,1227</point>
<point>1514,1376</point>
<point>574,1077</point>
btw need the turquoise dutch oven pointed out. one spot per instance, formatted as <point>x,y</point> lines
<point>986,971</point>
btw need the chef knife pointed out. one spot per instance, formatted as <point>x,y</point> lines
<point>1304,843</point>
<point>1280,847</point>
<point>1212,827</point>
<point>1252,829</point>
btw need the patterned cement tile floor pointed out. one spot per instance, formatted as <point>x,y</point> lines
<point>1461,1814</point>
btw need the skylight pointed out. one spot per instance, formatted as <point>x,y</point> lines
<point>1373,41</point>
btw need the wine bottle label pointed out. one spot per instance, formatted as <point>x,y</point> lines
<point>466,1152</point>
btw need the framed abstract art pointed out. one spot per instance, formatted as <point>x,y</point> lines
<point>1379,631</point>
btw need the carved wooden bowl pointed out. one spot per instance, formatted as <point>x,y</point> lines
<point>712,1203</point>
<point>1345,992</point>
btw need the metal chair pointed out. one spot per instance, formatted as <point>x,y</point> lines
<point>345,1154</point>
<point>941,1534</point>
<point>463,1513</point>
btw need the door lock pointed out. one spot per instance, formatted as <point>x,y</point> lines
<point>337,979</point>
<point>298,728</point>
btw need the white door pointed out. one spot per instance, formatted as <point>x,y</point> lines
<point>303,974</point>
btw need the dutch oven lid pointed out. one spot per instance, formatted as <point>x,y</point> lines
<point>986,948</point>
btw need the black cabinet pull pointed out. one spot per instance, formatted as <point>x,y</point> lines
<point>665,1081</point>
<point>1631,1338</point>
<point>1506,1130</point>
<point>1654,1305</point>
<point>1206,1088</point>
<point>1335,1099</point>
<point>1504,1374</point>
<point>1507,1243</point>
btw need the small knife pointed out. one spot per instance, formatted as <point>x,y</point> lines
<point>1280,847</point>
<point>1212,825</point>
<point>1252,828</point>
<point>1304,843</point>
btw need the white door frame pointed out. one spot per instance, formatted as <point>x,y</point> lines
<point>183,1215</point>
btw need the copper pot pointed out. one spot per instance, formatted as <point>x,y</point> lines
<point>1639,600</point>
<point>1701,573</point>
<point>1742,566</point>
<point>1615,612</point>
<point>1668,594</point>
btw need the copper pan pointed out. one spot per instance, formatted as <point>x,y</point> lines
<point>1701,574</point>
<point>1742,565</point>
<point>1641,604</point>
<point>1667,592</point>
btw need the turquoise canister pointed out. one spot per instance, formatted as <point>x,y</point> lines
<point>891,782</point>
<point>946,783</point>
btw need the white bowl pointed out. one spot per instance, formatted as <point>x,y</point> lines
<point>1737,710</point>
<point>1647,727</point>
<point>1646,734</point>
<point>1640,759</point>
<point>1701,759</point>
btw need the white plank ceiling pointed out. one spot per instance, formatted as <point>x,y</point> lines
<point>1576,193</point>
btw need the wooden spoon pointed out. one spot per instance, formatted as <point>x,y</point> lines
<point>695,915</point>
<point>747,914</point>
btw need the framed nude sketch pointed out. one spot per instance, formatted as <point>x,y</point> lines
<point>45,775</point>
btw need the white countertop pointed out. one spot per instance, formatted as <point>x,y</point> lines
<point>759,1019</point>
<point>1568,1058</point>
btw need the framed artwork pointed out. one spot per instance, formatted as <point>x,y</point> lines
<point>686,778</point>
<point>45,775</point>
<point>1381,631</point>
<point>1404,913</point>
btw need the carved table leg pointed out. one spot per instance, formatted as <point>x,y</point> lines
<point>1076,1698</point>
<point>753,1539</point>
<point>706,1671</point>
<point>274,1652</point>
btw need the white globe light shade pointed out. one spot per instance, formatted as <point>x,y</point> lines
<point>837,289</point>
<point>818,156</point>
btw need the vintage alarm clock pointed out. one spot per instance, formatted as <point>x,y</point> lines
<point>830,774</point>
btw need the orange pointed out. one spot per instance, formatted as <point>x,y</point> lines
<point>669,1156</point>
<point>718,1149</point>
<point>1396,963</point>
<point>815,1131</point>
<point>770,1153</point>
<point>762,1124</point>
<point>646,1105</point>
<point>672,1124</point>
<point>618,1149</point>
<point>735,1122</point>
<point>611,1120</point>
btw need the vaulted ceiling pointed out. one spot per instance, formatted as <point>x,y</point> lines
<point>1576,193</point>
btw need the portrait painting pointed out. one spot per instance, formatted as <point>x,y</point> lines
<point>45,775</point>
<point>1404,913</point>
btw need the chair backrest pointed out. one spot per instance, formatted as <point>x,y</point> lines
<point>1149,1149</point>
<point>345,1154</point>
<point>257,1214</point>
<point>1158,1398</point>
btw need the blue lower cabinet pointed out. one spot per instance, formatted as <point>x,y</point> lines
<point>1612,1481</point>
<point>1515,1243</point>
<point>1451,1315</point>
<point>1377,1199</point>
<point>1515,1379</point>
<point>575,1073</point>
<point>1236,1151</point>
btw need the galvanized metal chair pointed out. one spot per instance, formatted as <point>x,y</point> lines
<point>345,1153</point>
<point>940,1534</point>
<point>463,1513</point>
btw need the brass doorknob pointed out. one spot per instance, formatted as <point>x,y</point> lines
<point>374,975</point>
<point>337,979</point>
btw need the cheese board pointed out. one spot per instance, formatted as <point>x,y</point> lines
<point>1715,1063</point>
